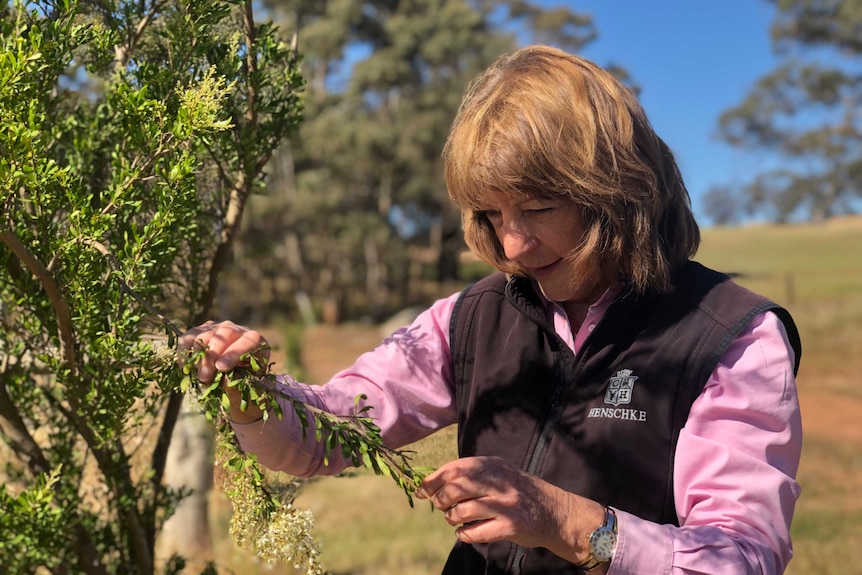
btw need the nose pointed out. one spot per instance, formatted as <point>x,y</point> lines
<point>517,239</point>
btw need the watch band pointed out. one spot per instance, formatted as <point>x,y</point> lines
<point>590,564</point>
<point>609,524</point>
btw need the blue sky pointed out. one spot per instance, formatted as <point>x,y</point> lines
<point>693,59</point>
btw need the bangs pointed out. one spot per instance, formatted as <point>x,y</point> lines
<point>483,163</point>
<point>501,150</point>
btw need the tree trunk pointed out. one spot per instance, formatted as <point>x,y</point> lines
<point>449,244</point>
<point>189,466</point>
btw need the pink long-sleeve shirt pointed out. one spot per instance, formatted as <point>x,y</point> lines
<point>735,464</point>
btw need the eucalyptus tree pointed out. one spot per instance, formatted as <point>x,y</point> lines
<point>808,111</point>
<point>359,196</point>
<point>132,135</point>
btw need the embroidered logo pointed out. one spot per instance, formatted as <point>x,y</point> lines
<point>620,388</point>
<point>619,392</point>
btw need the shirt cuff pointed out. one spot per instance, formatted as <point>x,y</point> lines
<point>643,547</point>
<point>243,430</point>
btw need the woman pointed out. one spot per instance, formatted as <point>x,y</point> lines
<point>620,408</point>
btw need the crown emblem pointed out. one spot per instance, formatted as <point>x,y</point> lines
<point>620,388</point>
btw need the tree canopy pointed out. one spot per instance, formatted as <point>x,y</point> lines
<point>808,111</point>
<point>132,134</point>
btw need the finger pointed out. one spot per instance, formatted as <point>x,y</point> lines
<point>478,522</point>
<point>481,531</point>
<point>431,483</point>
<point>456,493</point>
<point>483,521</point>
<point>230,343</point>
<point>457,490</point>
<point>446,474</point>
<point>452,515</point>
<point>467,511</point>
<point>187,342</point>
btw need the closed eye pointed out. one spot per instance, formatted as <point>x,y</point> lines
<point>489,214</point>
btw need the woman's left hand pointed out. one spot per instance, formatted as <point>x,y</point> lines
<point>493,501</point>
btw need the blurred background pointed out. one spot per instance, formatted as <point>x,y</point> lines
<point>758,100</point>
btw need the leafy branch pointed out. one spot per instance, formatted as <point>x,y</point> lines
<point>356,435</point>
<point>262,521</point>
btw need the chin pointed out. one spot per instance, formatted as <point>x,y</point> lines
<point>556,293</point>
<point>565,290</point>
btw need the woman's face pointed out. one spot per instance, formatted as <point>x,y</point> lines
<point>537,234</point>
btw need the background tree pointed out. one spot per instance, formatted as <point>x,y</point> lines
<point>358,222</point>
<point>723,205</point>
<point>808,111</point>
<point>132,190</point>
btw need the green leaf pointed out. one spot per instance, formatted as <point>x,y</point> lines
<point>211,388</point>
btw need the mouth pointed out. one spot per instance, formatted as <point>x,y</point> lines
<point>544,271</point>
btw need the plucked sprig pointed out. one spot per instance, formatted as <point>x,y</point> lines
<point>262,521</point>
<point>355,435</point>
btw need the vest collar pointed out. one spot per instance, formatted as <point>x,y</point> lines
<point>521,293</point>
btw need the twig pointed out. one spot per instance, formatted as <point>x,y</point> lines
<point>124,285</point>
<point>65,328</point>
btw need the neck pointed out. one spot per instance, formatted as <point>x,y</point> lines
<point>576,312</point>
<point>576,309</point>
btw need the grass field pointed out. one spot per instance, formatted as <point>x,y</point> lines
<point>366,526</point>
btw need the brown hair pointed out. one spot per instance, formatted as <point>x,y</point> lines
<point>546,123</point>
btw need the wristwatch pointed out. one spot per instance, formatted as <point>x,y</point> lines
<point>603,542</point>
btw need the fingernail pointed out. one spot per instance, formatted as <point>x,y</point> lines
<point>420,493</point>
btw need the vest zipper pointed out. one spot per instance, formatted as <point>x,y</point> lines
<point>516,555</point>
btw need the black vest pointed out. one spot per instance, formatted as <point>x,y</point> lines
<point>603,424</point>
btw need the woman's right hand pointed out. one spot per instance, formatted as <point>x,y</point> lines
<point>225,344</point>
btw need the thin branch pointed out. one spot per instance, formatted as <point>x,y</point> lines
<point>149,163</point>
<point>127,289</point>
<point>103,457</point>
<point>221,170</point>
<point>142,25</point>
<point>241,188</point>
<point>397,460</point>
<point>12,426</point>
<point>159,456</point>
<point>261,163</point>
<point>65,328</point>
<point>250,60</point>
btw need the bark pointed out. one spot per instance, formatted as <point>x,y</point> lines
<point>189,465</point>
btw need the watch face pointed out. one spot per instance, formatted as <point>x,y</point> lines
<point>602,544</point>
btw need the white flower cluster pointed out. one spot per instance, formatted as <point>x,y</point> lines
<point>288,539</point>
<point>280,536</point>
